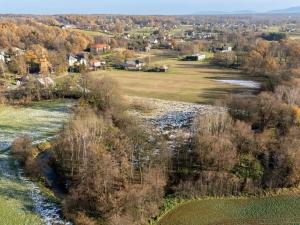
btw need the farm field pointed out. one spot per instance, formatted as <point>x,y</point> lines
<point>278,210</point>
<point>194,82</point>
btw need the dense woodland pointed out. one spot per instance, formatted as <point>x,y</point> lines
<point>117,171</point>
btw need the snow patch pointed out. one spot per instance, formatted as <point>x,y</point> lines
<point>243,83</point>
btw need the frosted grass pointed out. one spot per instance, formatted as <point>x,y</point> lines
<point>41,121</point>
<point>243,83</point>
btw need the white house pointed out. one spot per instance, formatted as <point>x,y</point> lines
<point>71,60</point>
<point>134,65</point>
<point>2,57</point>
<point>196,57</point>
<point>227,49</point>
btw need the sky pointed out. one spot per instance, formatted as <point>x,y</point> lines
<point>154,7</point>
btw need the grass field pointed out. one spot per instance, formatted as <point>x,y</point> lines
<point>93,33</point>
<point>39,120</point>
<point>15,204</point>
<point>278,210</point>
<point>185,81</point>
<point>294,36</point>
<point>146,31</point>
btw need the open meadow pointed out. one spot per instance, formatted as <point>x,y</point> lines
<point>245,211</point>
<point>195,82</point>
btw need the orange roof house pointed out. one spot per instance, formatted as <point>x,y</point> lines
<point>100,48</point>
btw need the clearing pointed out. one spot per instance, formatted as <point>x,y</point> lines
<point>195,82</point>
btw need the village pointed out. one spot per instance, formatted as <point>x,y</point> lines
<point>129,47</point>
<point>149,119</point>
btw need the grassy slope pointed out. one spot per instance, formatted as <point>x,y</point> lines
<point>185,81</point>
<point>253,211</point>
<point>39,120</point>
<point>15,204</point>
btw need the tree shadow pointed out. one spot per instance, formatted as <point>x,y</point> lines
<point>212,95</point>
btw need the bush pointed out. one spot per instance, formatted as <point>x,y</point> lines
<point>22,149</point>
<point>25,153</point>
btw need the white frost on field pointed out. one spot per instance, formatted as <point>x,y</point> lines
<point>243,83</point>
<point>40,123</point>
<point>49,211</point>
<point>172,119</point>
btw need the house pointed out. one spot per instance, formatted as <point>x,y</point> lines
<point>189,33</point>
<point>95,64</point>
<point>163,68</point>
<point>67,26</point>
<point>226,49</point>
<point>196,57</point>
<point>100,48</point>
<point>82,59</point>
<point>2,57</point>
<point>72,60</point>
<point>134,65</point>
<point>79,59</point>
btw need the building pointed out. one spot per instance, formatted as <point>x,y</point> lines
<point>196,57</point>
<point>163,68</point>
<point>226,49</point>
<point>134,65</point>
<point>82,59</point>
<point>72,60</point>
<point>99,48</point>
<point>77,60</point>
<point>67,26</point>
<point>2,57</point>
<point>95,64</point>
<point>222,49</point>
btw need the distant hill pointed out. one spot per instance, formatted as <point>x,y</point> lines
<point>210,13</point>
<point>288,10</point>
<point>291,10</point>
<point>224,13</point>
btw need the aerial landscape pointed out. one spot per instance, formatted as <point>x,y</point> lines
<point>150,113</point>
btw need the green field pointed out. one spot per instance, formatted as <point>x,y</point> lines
<point>146,31</point>
<point>39,120</point>
<point>15,205</point>
<point>278,210</point>
<point>93,33</point>
<point>185,81</point>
